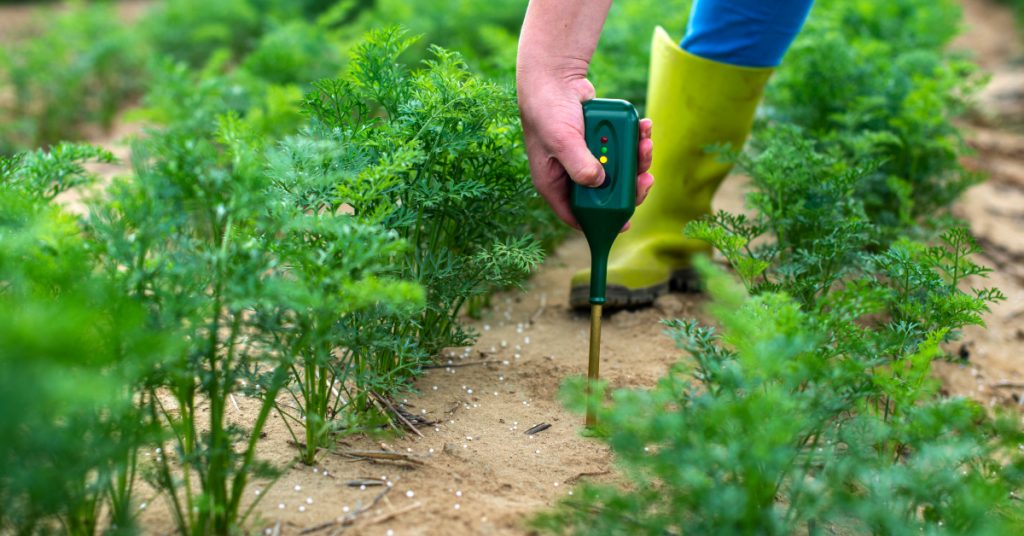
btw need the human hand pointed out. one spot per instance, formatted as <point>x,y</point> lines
<point>552,115</point>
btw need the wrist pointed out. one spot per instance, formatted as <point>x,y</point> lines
<point>547,69</point>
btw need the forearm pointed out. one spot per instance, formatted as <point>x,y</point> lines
<point>558,38</point>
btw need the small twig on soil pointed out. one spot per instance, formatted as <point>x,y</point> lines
<point>389,515</point>
<point>318,528</point>
<point>1011,385</point>
<point>380,455</point>
<point>348,519</point>
<point>575,479</point>
<point>455,407</point>
<point>397,413</point>
<point>540,310</point>
<point>364,482</point>
<point>538,428</point>
<point>456,365</point>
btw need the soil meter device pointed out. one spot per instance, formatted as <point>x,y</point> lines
<point>611,128</point>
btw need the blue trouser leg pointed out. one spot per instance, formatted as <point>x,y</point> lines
<point>749,33</point>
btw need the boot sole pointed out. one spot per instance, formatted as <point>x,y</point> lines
<point>620,297</point>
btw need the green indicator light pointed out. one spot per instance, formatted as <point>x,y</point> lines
<point>604,150</point>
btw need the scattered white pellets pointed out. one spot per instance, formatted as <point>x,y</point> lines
<point>298,487</point>
<point>309,500</point>
<point>280,506</point>
<point>458,493</point>
<point>457,506</point>
<point>302,508</point>
<point>435,387</point>
<point>410,494</point>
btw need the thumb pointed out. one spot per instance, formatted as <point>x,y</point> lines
<point>580,164</point>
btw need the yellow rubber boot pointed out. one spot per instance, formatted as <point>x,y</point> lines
<point>693,103</point>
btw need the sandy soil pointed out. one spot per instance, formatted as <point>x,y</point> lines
<point>993,370</point>
<point>477,472</point>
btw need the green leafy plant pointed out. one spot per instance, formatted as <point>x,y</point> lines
<point>199,230</point>
<point>79,71</point>
<point>776,426</point>
<point>295,52</point>
<point>192,31</point>
<point>429,150</point>
<point>892,90</point>
<point>811,238</point>
<point>485,33</point>
<point>74,350</point>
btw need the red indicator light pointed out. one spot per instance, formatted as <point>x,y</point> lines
<point>604,139</point>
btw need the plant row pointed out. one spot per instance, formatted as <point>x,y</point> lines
<point>86,65</point>
<point>316,272</point>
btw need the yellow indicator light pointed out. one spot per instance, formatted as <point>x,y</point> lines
<point>604,159</point>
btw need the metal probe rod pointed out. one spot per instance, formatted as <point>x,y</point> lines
<point>593,369</point>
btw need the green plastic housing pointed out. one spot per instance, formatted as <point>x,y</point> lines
<point>611,128</point>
